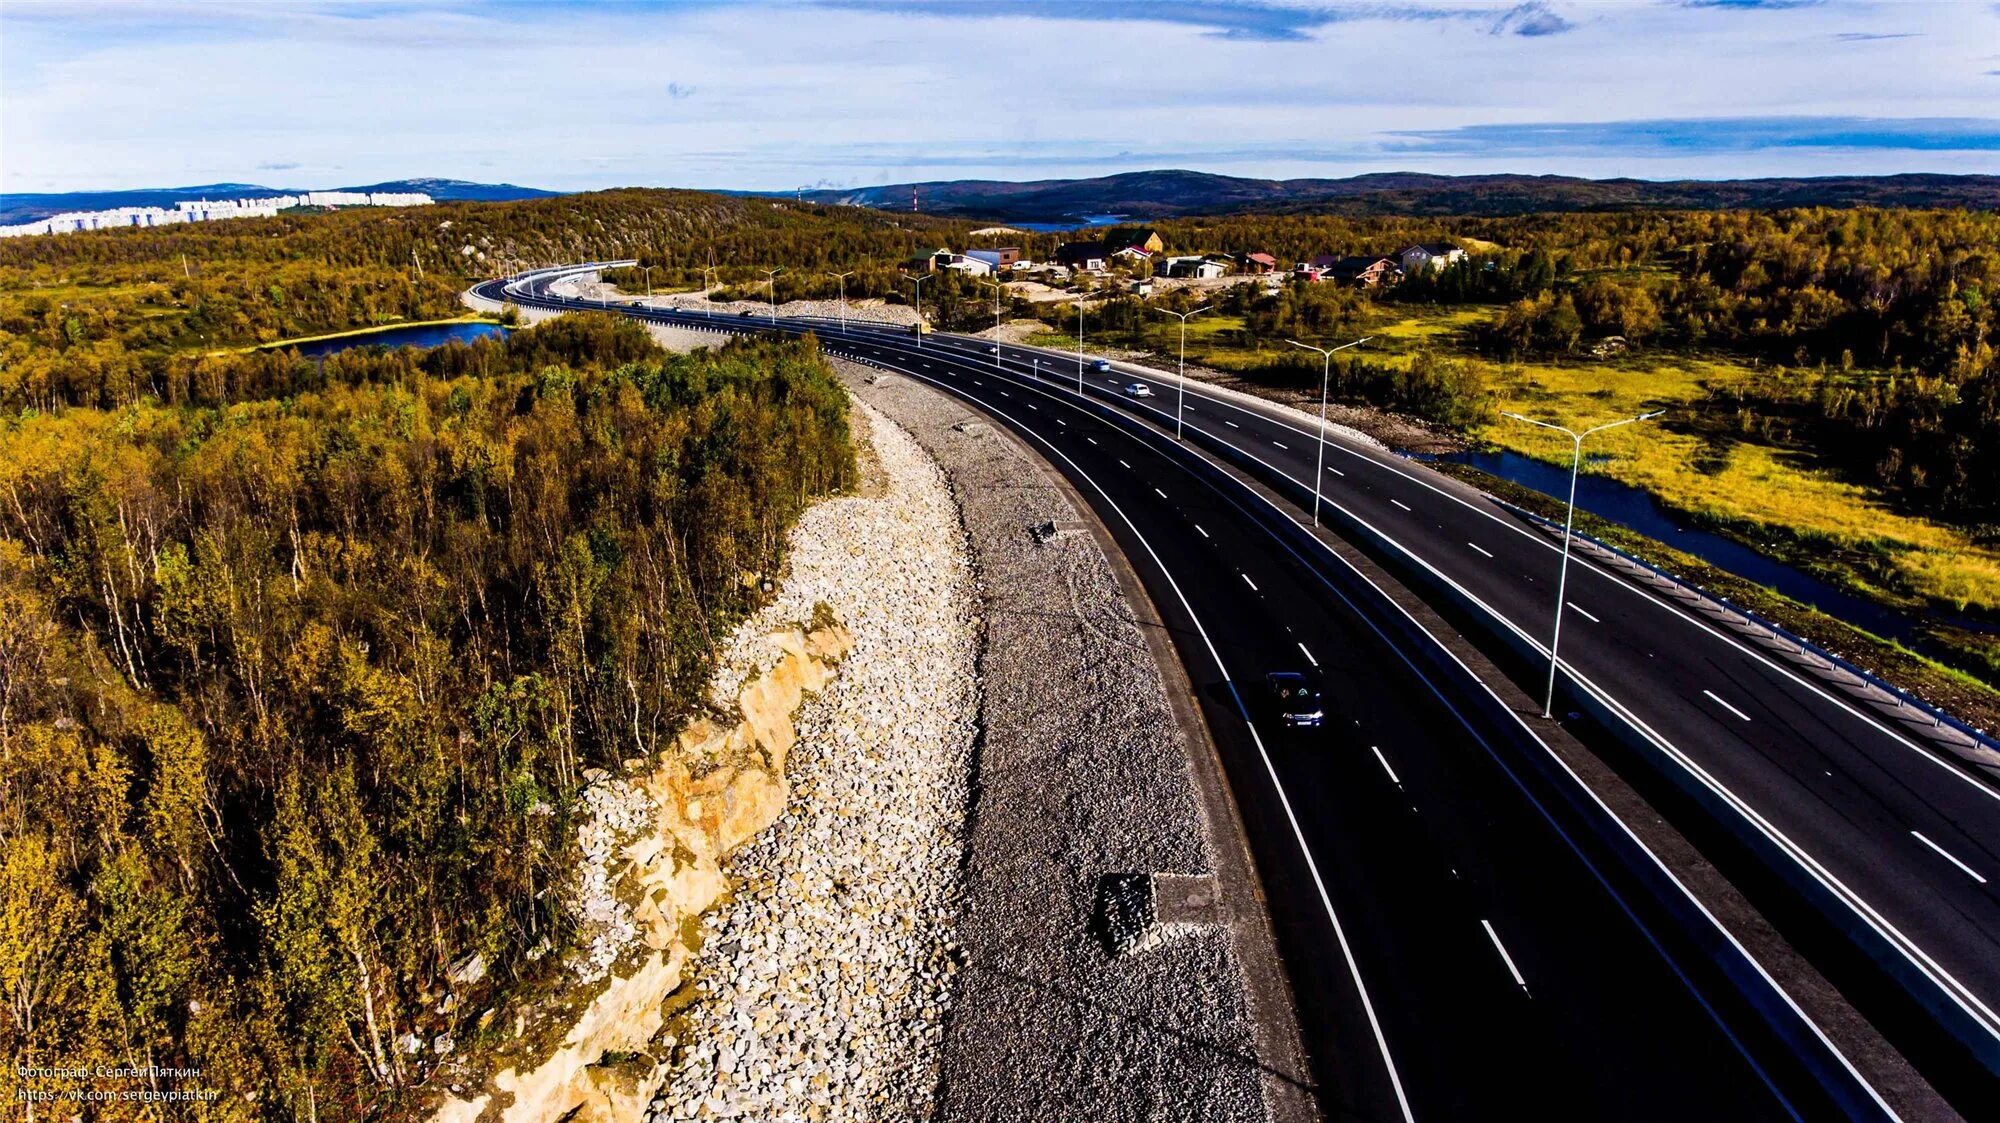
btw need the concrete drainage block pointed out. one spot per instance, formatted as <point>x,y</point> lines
<point>1135,911</point>
<point>1045,532</point>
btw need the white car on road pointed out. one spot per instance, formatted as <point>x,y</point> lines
<point>1138,390</point>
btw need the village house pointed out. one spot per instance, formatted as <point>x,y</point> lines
<point>1005,257</point>
<point>1191,265</point>
<point>1429,255</point>
<point>1087,256</point>
<point>1146,239</point>
<point>1255,263</point>
<point>959,262</point>
<point>1137,255</point>
<point>1360,270</point>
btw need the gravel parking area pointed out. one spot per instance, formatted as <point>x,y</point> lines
<point>1092,988</point>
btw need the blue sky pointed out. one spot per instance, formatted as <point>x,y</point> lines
<point>130,93</point>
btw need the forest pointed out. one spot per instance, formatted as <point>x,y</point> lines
<point>306,663</point>
<point>91,318</point>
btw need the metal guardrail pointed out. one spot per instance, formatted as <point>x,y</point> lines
<point>1939,718</point>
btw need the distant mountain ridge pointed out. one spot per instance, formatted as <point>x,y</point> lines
<point>1175,192</point>
<point>27,208</point>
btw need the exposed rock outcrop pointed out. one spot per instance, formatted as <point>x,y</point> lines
<point>652,847</point>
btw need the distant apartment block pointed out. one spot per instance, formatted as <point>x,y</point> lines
<point>212,210</point>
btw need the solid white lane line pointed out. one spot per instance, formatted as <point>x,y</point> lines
<point>1504,957</point>
<point>1385,765</point>
<point>1957,991</point>
<point>1717,698</point>
<point>1582,613</point>
<point>1200,531</point>
<point>1400,503</point>
<point>1247,581</point>
<point>1480,548</point>
<point>1308,655</point>
<point>1282,445</point>
<point>1158,492</point>
<point>1950,857</point>
<point>1270,770</point>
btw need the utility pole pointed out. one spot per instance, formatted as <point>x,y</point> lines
<point>1569,520</point>
<point>1181,404</point>
<point>1325,375</point>
<point>842,278</point>
<point>708,291</point>
<point>185,271</point>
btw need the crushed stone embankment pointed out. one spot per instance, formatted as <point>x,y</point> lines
<point>821,986</point>
<point>1087,776</point>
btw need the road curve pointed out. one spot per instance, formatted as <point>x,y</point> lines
<point>1460,947</point>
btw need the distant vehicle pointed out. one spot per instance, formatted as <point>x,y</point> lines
<point>994,350</point>
<point>1101,365</point>
<point>1293,699</point>
<point>1138,390</point>
<point>920,329</point>
<point>748,312</point>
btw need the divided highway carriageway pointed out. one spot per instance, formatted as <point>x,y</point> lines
<point>1471,934</point>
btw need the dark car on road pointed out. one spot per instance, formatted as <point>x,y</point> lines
<point>1293,699</point>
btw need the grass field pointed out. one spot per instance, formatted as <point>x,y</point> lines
<point>1784,501</point>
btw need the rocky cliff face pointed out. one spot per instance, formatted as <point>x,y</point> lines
<point>652,847</point>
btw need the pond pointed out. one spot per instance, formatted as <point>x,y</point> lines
<point>1077,223</point>
<point>416,335</point>
<point>1628,506</point>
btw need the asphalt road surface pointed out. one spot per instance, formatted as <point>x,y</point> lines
<point>1458,948</point>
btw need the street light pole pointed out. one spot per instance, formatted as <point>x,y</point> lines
<point>1181,404</point>
<point>649,279</point>
<point>708,291</point>
<point>919,283</point>
<point>997,289</point>
<point>1569,520</point>
<point>1325,376</point>
<point>842,278</point>
<point>1079,348</point>
<point>771,279</point>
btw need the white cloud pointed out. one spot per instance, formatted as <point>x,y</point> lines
<point>113,94</point>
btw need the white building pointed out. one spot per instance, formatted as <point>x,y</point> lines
<point>211,210</point>
<point>1428,255</point>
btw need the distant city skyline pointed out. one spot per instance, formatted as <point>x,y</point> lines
<point>109,95</point>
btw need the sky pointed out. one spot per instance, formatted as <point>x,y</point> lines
<point>105,94</point>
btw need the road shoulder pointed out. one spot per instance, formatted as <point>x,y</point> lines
<point>1093,764</point>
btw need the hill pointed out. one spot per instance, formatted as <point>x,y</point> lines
<point>1162,194</point>
<point>29,207</point>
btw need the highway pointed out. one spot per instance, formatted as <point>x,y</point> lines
<point>1461,946</point>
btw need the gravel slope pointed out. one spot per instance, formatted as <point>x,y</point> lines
<point>822,984</point>
<point>1082,776</point>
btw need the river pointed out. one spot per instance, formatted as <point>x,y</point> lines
<point>1628,506</point>
<point>416,335</point>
